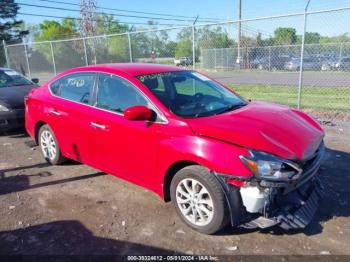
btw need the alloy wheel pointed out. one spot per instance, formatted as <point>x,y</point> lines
<point>194,202</point>
<point>48,145</point>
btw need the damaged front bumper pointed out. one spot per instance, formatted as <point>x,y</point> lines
<point>288,204</point>
<point>289,211</point>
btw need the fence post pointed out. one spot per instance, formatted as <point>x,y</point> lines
<point>269,58</point>
<point>85,52</point>
<point>302,56</point>
<point>194,43</point>
<point>340,51</point>
<point>130,48</point>
<point>215,59</point>
<point>53,59</point>
<point>27,59</point>
<point>5,53</point>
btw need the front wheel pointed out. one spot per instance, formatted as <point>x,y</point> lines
<point>199,199</point>
<point>49,146</point>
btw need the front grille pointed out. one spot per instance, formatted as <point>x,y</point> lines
<point>310,168</point>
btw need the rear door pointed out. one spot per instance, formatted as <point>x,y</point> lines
<point>68,111</point>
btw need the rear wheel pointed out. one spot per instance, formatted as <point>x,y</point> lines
<point>199,199</point>
<point>49,146</point>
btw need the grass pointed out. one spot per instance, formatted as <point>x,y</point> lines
<point>318,98</point>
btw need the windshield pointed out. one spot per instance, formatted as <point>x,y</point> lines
<point>189,94</point>
<point>12,78</point>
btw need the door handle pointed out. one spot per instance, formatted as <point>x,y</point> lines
<point>54,112</point>
<point>97,125</point>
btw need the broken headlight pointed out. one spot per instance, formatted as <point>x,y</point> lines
<point>268,167</point>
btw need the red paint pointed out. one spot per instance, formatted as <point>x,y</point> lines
<point>143,151</point>
<point>138,113</point>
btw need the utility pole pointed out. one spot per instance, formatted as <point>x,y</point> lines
<point>239,29</point>
<point>301,67</point>
<point>88,23</point>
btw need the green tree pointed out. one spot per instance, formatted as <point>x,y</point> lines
<point>11,30</point>
<point>106,24</point>
<point>285,36</point>
<point>184,48</point>
<point>214,38</point>
<point>335,39</point>
<point>67,53</point>
<point>312,38</point>
<point>264,42</point>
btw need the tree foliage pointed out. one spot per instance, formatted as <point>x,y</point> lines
<point>285,36</point>
<point>11,30</point>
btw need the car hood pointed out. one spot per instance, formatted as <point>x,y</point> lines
<point>271,128</point>
<point>13,96</point>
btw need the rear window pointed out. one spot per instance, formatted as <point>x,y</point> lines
<point>76,87</point>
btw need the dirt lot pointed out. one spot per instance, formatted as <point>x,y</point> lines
<point>73,209</point>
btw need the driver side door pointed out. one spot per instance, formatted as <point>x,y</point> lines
<point>122,147</point>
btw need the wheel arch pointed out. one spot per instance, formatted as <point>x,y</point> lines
<point>38,125</point>
<point>170,173</point>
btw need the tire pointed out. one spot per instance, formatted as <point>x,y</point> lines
<point>210,207</point>
<point>52,152</point>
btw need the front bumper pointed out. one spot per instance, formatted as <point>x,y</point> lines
<point>298,208</point>
<point>288,204</point>
<point>11,119</point>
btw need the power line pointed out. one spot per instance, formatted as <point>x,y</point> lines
<point>101,13</point>
<point>77,18</point>
<point>133,11</point>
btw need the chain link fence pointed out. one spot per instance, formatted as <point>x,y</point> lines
<point>256,67</point>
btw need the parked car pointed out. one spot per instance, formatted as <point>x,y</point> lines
<point>341,64</point>
<point>309,63</point>
<point>218,157</point>
<point>13,88</point>
<point>329,64</point>
<point>183,61</point>
<point>272,63</point>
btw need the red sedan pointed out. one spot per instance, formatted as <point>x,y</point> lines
<point>218,157</point>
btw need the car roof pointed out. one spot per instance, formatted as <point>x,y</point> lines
<point>6,69</point>
<point>133,69</point>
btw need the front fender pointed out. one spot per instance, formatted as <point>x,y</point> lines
<point>217,156</point>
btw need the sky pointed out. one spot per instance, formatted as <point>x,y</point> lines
<point>327,24</point>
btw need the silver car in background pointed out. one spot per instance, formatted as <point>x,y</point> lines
<point>310,63</point>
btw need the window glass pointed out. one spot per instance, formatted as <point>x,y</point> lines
<point>190,94</point>
<point>76,87</point>
<point>10,78</point>
<point>56,86</point>
<point>192,86</point>
<point>116,94</point>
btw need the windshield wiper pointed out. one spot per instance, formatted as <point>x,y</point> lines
<point>211,113</point>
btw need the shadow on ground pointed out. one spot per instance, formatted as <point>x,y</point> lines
<point>68,238</point>
<point>20,183</point>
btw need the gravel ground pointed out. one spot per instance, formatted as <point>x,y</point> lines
<point>73,209</point>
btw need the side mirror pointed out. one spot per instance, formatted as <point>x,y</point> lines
<point>138,113</point>
<point>35,80</point>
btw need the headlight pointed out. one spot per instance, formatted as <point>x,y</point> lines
<point>269,167</point>
<point>3,108</point>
